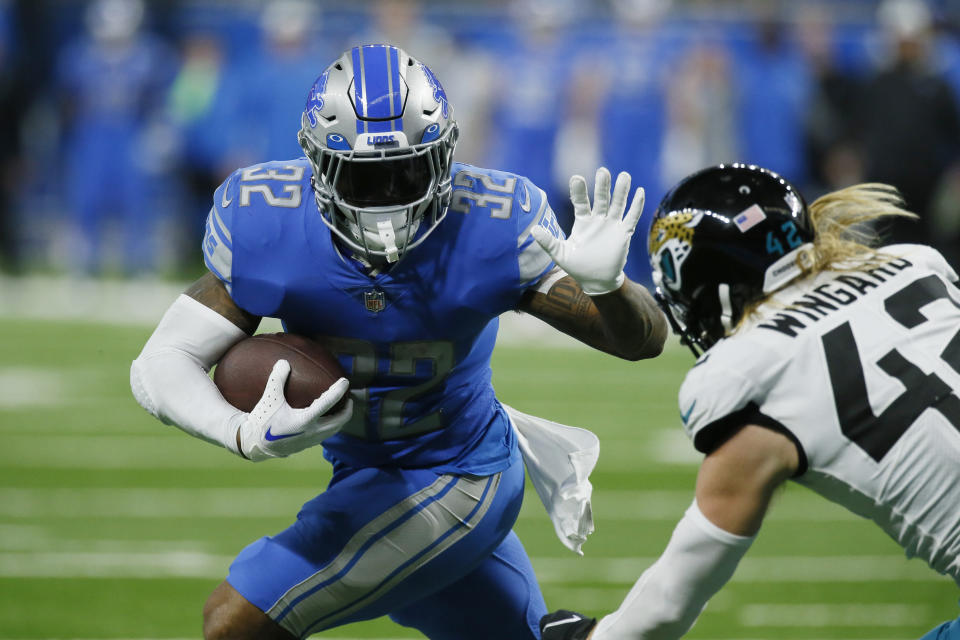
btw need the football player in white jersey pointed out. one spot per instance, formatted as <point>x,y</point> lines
<point>774,296</point>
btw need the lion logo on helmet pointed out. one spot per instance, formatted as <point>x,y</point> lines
<point>315,98</point>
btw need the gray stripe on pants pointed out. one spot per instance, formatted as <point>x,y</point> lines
<point>365,579</point>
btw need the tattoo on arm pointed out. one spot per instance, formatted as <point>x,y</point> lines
<point>567,300</point>
<point>567,308</point>
<point>625,323</point>
<point>210,292</point>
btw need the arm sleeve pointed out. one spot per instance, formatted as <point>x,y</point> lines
<point>170,376</point>
<point>669,596</point>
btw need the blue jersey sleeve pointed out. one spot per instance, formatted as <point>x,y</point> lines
<point>533,210</point>
<point>218,238</point>
<point>511,206</point>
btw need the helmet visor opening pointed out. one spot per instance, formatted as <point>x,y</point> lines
<point>384,182</point>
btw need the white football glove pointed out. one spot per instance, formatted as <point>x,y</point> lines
<point>596,250</point>
<point>274,429</point>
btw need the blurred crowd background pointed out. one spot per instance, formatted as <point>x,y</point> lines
<point>118,118</point>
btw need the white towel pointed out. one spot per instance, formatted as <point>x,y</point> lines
<point>559,459</point>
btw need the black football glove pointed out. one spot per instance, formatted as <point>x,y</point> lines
<point>566,625</point>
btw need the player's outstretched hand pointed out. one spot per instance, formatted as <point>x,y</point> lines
<point>274,429</point>
<point>566,625</point>
<point>596,250</point>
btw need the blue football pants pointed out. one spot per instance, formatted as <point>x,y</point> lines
<point>433,551</point>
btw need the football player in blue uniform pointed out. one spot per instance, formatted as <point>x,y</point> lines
<point>399,260</point>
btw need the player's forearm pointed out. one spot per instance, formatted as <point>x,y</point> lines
<point>169,378</point>
<point>626,323</point>
<point>633,325</point>
<point>669,596</point>
<point>177,391</point>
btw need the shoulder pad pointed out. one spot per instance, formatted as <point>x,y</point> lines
<point>279,183</point>
<point>259,188</point>
<point>487,192</point>
<point>926,255</point>
<point>716,387</point>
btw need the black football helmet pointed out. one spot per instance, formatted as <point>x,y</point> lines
<point>722,238</point>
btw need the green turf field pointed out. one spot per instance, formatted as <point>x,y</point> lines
<point>113,525</point>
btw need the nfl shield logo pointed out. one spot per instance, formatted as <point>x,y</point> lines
<point>374,301</point>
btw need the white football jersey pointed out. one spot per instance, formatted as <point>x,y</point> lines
<point>861,369</point>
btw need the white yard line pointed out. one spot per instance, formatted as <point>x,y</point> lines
<point>188,563</point>
<point>262,502</point>
<point>153,503</point>
<point>832,615</point>
<point>119,302</point>
<point>40,539</point>
<point>33,387</point>
<point>157,446</point>
<point>142,303</point>
<point>94,564</point>
<point>184,454</point>
<point>755,570</point>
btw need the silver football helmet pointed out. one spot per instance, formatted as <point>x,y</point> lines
<point>379,135</point>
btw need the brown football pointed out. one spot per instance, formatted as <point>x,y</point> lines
<point>241,375</point>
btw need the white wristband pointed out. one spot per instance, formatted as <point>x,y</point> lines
<point>669,596</point>
<point>170,376</point>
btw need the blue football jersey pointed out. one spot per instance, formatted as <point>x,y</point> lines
<point>416,340</point>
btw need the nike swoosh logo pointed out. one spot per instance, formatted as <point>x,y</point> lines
<point>686,416</point>
<point>564,621</point>
<point>224,203</point>
<point>268,436</point>
<point>525,202</point>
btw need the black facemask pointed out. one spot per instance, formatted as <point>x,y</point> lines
<point>386,182</point>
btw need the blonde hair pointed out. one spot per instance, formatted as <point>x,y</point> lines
<point>845,235</point>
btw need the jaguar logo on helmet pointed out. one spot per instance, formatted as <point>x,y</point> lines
<point>721,239</point>
<point>670,241</point>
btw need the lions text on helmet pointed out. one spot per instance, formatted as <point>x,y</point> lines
<point>379,135</point>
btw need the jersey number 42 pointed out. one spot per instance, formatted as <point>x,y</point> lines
<point>876,434</point>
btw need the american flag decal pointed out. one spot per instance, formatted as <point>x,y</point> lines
<point>749,217</point>
<point>374,301</point>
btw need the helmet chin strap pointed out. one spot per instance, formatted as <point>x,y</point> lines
<point>382,239</point>
<point>726,306</point>
<point>388,238</point>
